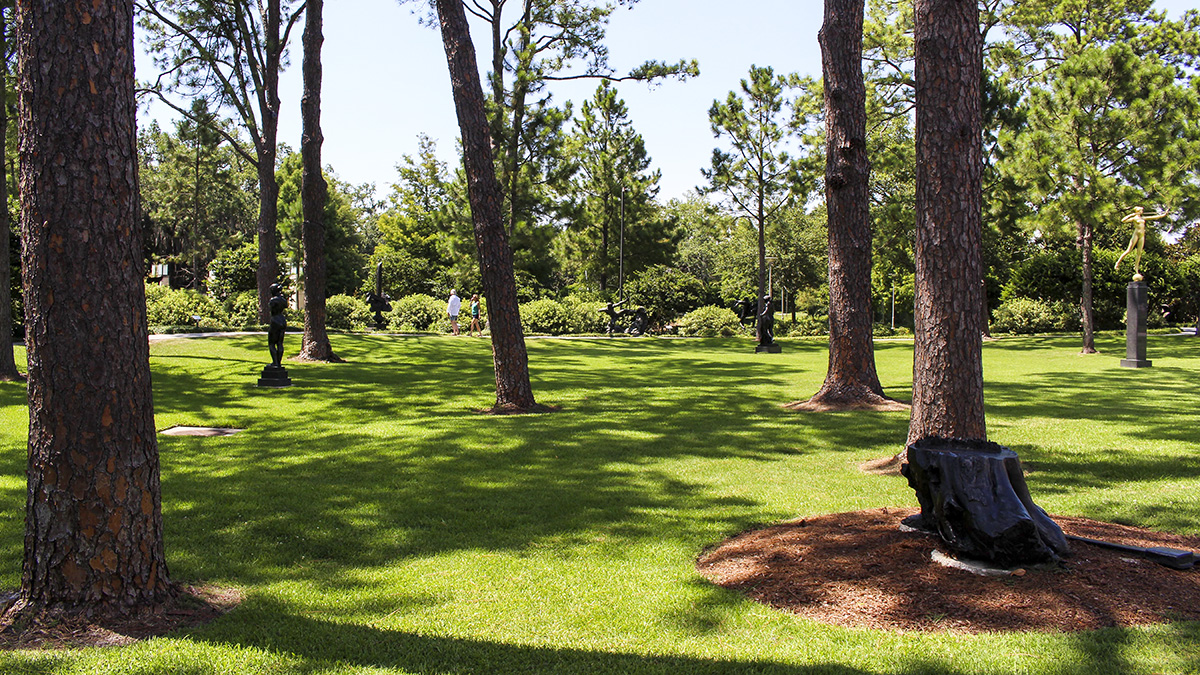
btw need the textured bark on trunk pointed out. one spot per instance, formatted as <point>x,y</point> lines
<point>852,379</point>
<point>313,192</point>
<point>1084,241</point>
<point>268,187</point>
<point>985,313</point>
<point>93,529</point>
<point>947,361</point>
<point>513,390</point>
<point>8,364</point>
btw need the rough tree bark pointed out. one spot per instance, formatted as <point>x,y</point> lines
<point>313,192</point>
<point>8,364</point>
<point>268,186</point>
<point>947,361</point>
<point>93,528</point>
<point>1084,243</point>
<point>513,390</point>
<point>851,381</point>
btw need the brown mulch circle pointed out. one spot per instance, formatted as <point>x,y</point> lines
<point>859,570</point>
<point>884,466</point>
<point>884,405</point>
<point>536,409</point>
<point>193,606</point>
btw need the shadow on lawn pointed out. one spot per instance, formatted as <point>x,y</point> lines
<point>324,643</point>
<point>315,487</point>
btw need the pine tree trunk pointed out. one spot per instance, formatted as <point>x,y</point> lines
<point>93,529</point>
<point>851,380</point>
<point>513,390</point>
<point>8,364</point>
<point>947,359</point>
<point>313,192</point>
<point>268,187</point>
<point>1087,317</point>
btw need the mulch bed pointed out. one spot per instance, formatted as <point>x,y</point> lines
<point>193,606</point>
<point>859,570</point>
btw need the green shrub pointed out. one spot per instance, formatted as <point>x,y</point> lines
<point>667,292</point>
<point>584,315</point>
<point>241,309</point>
<point>168,307</point>
<point>233,271</point>
<point>1057,277</point>
<point>805,325</point>
<point>545,317</point>
<point>403,273</point>
<point>1023,316</point>
<point>346,312</point>
<point>418,313</point>
<point>709,321</point>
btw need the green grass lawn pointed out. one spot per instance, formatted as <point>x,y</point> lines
<point>378,524</point>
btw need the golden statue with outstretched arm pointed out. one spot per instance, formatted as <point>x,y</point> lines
<point>1138,240</point>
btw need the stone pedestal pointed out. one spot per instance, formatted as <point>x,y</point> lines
<point>973,494</point>
<point>274,376</point>
<point>1135,326</point>
<point>772,348</point>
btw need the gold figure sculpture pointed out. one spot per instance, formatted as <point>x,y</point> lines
<point>1138,240</point>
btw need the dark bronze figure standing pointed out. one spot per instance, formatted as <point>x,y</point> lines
<point>378,300</point>
<point>275,375</point>
<point>766,329</point>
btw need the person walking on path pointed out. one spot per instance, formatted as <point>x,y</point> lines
<point>475,326</point>
<point>452,309</point>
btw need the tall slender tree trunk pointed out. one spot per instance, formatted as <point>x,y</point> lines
<point>512,157</point>
<point>761,217</point>
<point>604,246</point>
<point>93,528</point>
<point>851,380</point>
<point>513,390</point>
<point>268,186</point>
<point>313,192</point>
<point>8,364</point>
<point>1087,317</point>
<point>947,359</point>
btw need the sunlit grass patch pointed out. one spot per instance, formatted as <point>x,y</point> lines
<point>378,523</point>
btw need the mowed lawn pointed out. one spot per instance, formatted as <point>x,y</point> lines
<point>377,523</point>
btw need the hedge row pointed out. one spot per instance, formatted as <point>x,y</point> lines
<point>180,310</point>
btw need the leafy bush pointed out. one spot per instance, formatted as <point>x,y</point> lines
<point>528,287</point>
<point>545,317</point>
<point>418,313</point>
<point>403,273</point>
<point>346,312</point>
<point>1057,276</point>
<point>667,292</point>
<point>1023,316</point>
<point>585,316</point>
<point>241,309</point>
<point>805,325</point>
<point>233,271</point>
<point>168,307</point>
<point>709,321</point>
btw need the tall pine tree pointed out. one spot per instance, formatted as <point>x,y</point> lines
<point>93,528</point>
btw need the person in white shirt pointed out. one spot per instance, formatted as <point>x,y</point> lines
<point>452,309</point>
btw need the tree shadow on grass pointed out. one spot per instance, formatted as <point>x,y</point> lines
<point>325,643</point>
<point>373,462</point>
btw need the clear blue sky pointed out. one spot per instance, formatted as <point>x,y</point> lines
<point>385,79</point>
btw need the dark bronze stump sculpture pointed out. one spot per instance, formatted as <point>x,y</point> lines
<point>973,494</point>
